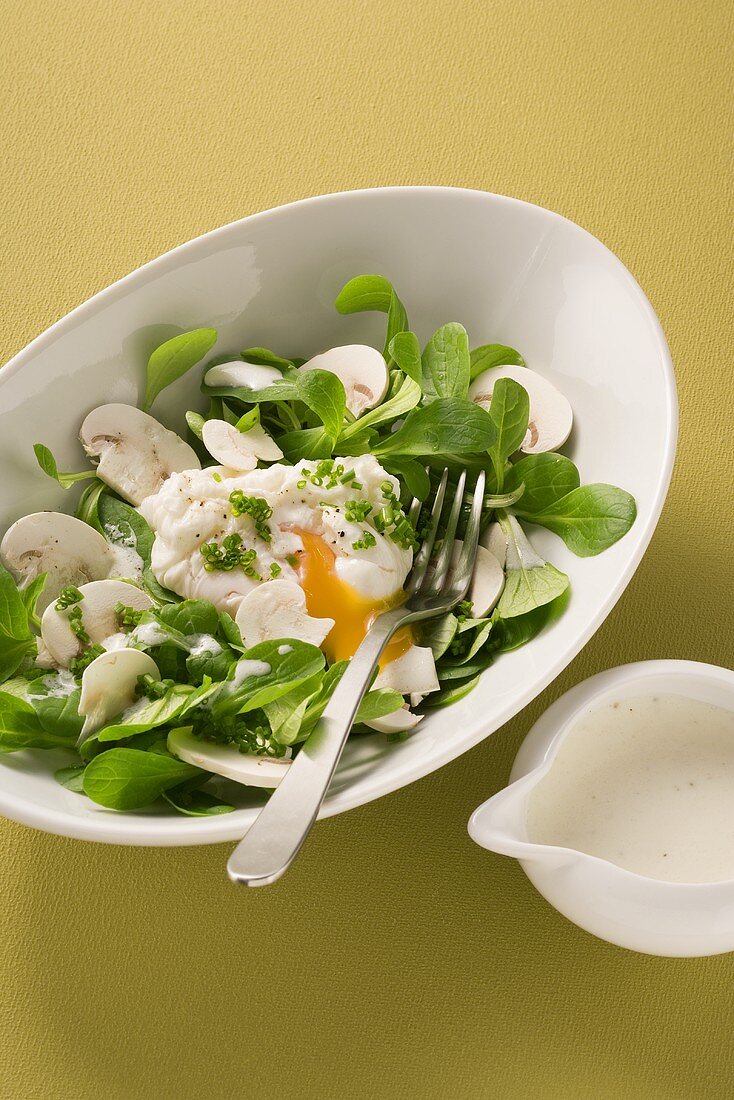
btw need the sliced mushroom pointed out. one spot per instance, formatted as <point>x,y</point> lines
<point>99,619</point>
<point>68,550</point>
<point>109,686</point>
<point>43,657</point>
<point>487,581</point>
<point>238,450</point>
<point>495,540</point>
<point>227,760</point>
<point>135,452</point>
<point>551,416</point>
<point>362,371</point>
<point>397,722</point>
<point>239,375</point>
<point>277,609</point>
<point>414,671</point>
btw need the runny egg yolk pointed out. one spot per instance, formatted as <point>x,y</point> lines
<point>329,597</point>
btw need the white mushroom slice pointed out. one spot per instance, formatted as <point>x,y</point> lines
<point>239,375</point>
<point>238,450</point>
<point>414,671</point>
<point>551,416</point>
<point>65,548</point>
<point>277,609</point>
<point>397,722</point>
<point>494,539</point>
<point>487,581</point>
<point>227,446</point>
<point>261,444</point>
<point>109,686</point>
<point>98,617</point>
<point>43,657</point>
<point>135,452</point>
<point>362,371</point>
<point>227,760</point>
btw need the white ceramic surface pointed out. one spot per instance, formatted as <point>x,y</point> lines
<point>631,910</point>
<point>511,272</point>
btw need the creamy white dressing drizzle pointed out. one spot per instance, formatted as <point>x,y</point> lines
<point>246,668</point>
<point>128,563</point>
<point>646,783</point>
<point>204,643</point>
<point>58,686</point>
<point>148,634</point>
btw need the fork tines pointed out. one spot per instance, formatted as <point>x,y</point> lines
<point>444,578</point>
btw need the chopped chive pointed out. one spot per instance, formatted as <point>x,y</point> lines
<point>68,597</point>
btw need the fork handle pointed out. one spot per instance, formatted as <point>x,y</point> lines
<point>275,838</point>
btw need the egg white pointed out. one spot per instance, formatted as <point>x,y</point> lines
<point>193,507</point>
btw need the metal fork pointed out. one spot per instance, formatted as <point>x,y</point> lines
<point>274,840</point>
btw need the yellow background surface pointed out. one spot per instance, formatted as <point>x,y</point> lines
<point>397,959</point>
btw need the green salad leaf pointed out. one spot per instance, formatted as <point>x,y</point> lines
<point>148,714</point>
<point>324,394</point>
<point>30,595</point>
<point>196,423</point>
<point>72,778</point>
<point>412,474</point>
<point>47,462</point>
<point>196,803</point>
<point>22,728</point>
<point>122,525</point>
<point>530,581</point>
<point>546,478</point>
<point>191,617</point>
<point>307,443</point>
<point>87,510</point>
<point>171,360</point>
<point>589,519</point>
<point>446,362</point>
<point>57,708</point>
<point>509,411</point>
<point>368,293</point>
<point>438,634</point>
<point>126,779</point>
<point>250,687</point>
<point>449,425</point>
<point>405,351</point>
<point>16,639</point>
<point>493,355</point>
<point>377,704</point>
<point>451,695</point>
<point>264,357</point>
<point>406,398</point>
<point>286,712</point>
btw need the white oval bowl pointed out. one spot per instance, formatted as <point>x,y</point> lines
<point>623,907</point>
<point>510,272</point>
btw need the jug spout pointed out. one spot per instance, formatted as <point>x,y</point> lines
<point>499,825</point>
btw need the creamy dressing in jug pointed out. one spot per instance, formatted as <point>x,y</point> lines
<point>646,783</point>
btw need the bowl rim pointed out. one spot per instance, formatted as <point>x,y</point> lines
<point>127,828</point>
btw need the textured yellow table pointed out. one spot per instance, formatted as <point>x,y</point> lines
<point>396,959</point>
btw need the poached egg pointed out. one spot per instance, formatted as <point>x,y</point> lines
<point>320,532</point>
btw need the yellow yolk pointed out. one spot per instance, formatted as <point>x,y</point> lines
<point>329,597</point>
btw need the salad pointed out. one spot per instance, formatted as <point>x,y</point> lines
<point>193,617</point>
